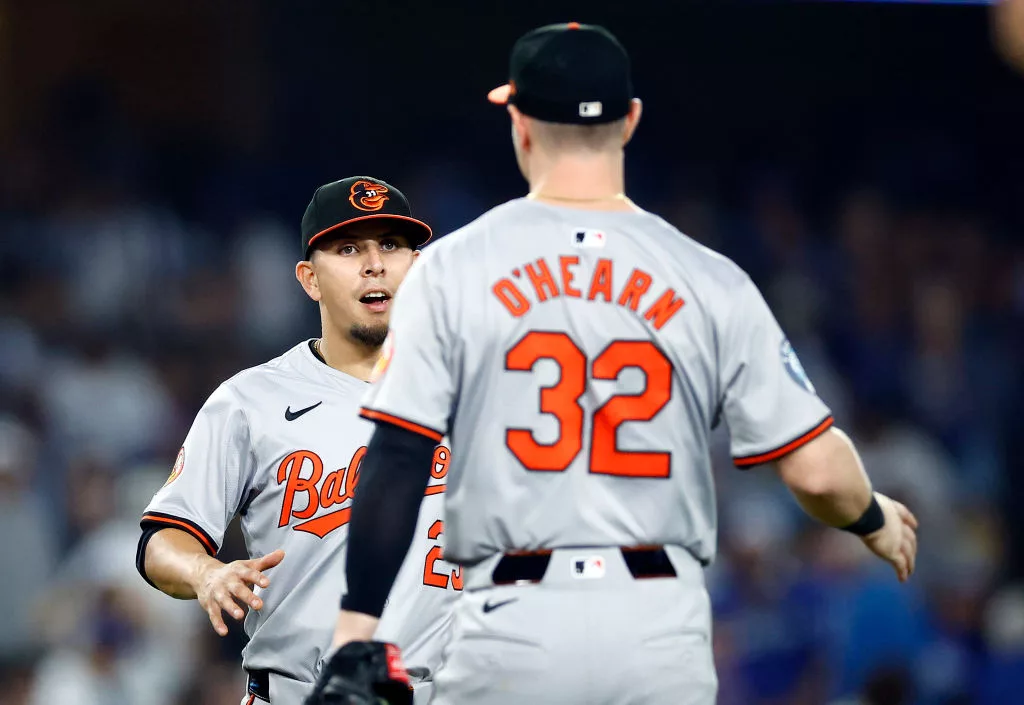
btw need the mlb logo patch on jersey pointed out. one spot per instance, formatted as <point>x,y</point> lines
<point>588,238</point>
<point>589,568</point>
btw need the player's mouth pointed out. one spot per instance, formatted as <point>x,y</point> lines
<point>376,300</point>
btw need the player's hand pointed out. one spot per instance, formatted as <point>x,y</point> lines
<point>222,587</point>
<point>896,542</point>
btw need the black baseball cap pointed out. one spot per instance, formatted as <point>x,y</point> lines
<point>356,199</point>
<point>568,73</point>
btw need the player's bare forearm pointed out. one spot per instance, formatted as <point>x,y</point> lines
<point>179,565</point>
<point>828,479</point>
<point>829,482</point>
<point>175,561</point>
<point>353,626</point>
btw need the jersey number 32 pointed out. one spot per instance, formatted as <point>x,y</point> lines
<point>562,401</point>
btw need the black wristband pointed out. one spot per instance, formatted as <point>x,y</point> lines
<point>870,521</point>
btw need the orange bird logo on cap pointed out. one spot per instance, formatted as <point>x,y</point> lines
<point>368,196</point>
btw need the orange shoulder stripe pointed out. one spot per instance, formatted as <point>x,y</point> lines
<point>374,415</point>
<point>749,460</point>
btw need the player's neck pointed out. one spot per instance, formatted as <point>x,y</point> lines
<point>589,181</point>
<point>346,355</point>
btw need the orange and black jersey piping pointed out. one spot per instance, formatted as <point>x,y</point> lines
<point>748,461</point>
<point>374,415</point>
<point>152,522</point>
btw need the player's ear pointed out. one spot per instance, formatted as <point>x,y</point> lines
<point>306,275</point>
<point>632,119</point>
<point>520,129</point>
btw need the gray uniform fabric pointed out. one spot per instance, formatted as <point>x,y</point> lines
<point>280,445</point>
<point>579,361</point>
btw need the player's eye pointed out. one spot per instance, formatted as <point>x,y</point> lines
<point>389,244</point>
<point>347,249</point>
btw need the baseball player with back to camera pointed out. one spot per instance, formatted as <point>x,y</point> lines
<point>580,350</point>
<point>281,445</point>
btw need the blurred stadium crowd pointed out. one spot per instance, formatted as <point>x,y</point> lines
<point>120,313</point>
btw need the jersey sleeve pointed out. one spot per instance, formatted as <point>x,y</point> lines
<point>768,401</point>
<point>213,467</point>
<point>413,385</point>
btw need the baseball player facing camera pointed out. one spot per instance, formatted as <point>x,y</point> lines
<point>281,446</point>
<point>579,350</point>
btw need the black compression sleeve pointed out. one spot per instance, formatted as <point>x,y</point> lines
<point>392,479</point>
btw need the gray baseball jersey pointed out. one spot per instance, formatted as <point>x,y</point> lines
<point>579,361</point>
<point>280,446</point>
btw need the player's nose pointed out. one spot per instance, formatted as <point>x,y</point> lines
<point>374,264</point>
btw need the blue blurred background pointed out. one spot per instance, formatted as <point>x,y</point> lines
<point>861,161</point>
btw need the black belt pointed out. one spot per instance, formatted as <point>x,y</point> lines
<point>259,684</point>
<point>642,561</point>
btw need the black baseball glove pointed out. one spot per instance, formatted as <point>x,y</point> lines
<point>363,673</point>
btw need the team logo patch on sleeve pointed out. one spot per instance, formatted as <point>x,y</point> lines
<point>179,464</point>
<point>792,364</point>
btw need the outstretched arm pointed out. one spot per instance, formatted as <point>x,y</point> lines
<point>827,479</point>
<point>178,565</point>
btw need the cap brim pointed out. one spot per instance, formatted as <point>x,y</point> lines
<point>415,231</point>
<point>500,95</point>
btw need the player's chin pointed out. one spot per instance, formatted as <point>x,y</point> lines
<point>370,333</point>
